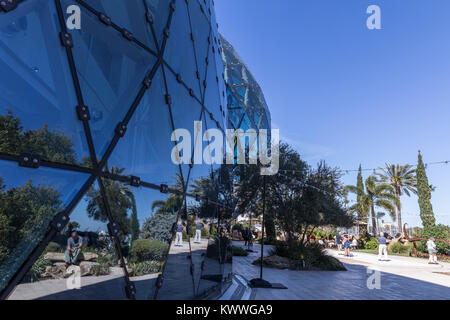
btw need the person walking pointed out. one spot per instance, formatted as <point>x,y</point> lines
<point>347,245</point>
<point>382,248</point>
<point>179,235</point>
<point>198,232</point>
<point>339,241</point>
<point>432,252</point>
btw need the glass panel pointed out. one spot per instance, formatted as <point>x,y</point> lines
<point>29,199</point>
<point>201,31</point>
<point>180,39</point>
<point>111,70</point>
<point>92,272</point>
<point>145,150</point>
<point>128,14</point>
<point>37,104</point>
<point>178,271</point>
<point>146,218</point>
<point>159,9</point>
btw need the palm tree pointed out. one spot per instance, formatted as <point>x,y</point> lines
<point>380,215</point>
<point>375,195</point>
<point>403,179</point>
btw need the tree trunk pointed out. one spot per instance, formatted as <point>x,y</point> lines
<point>374,222</point>
<point>399,211</point>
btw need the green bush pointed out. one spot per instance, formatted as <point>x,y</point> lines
<point>438,232</point>
<point>100,269</point>
<point>371,244</point>
<point>143,268</point>
<point>38,268</point>
<point>147,249</point>
<point>398,248</point>
<point>52,247</point>
<point>309,256</point>
<point>239,252</point>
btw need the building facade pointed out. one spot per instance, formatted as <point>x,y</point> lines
<point>91,92</point>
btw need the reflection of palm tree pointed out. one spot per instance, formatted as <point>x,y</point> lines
<point>402,179</point>
<point>172,203</point>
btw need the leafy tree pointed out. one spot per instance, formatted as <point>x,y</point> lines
<point>402,179</point>
<point>424,194</point>
<point>50,145</point>
<point>375,195</point>
<point>25,212</point>
<point>119,200</point>
<point>158,226</point>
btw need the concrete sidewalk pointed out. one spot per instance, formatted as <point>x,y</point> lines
<point>401,278</point>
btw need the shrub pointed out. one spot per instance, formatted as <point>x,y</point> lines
<point>371,244</point>
<point>38,268</point>
<point>143,268</point>
<point>100,269</point>
<point>52,247</point>
<point>239,252</point>
<point>309,256</point>
<point>398,248</point>
<point>438,232</point>
<point>147,249</point>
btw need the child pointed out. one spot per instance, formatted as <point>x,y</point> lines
<point>432,251</point>
<point>347,245</point>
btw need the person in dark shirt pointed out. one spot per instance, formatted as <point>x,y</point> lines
<point>179,235</point>
<point>74,245</point>
<point>339,241</point>
<point>382,249</point>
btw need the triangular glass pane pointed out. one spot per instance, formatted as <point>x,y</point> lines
<point>111,70</point>
<point>200,27</point>
<point>29,200</point>
<point>129,14</point>
<point>159,10</point>
<point>145,150</point>
<point>180,40</point>
<point>37,92</point>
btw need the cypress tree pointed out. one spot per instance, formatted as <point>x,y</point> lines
<point>424,195</point>
<point>134,222</point>
<point>359,199</point>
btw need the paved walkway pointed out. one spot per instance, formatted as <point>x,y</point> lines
<point>400,278</point>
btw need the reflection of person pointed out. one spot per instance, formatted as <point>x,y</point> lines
<point>431,246</point>
<point>74,245</point>
<point>382,249</point>
<point>339,241</point>
<point>246,236</point>
<point>198,232</point>
<point>354,244</point>
<point>347,245</point>
<point>179,235</point>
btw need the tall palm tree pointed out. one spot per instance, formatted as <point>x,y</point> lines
<point>380,215</point>
<point>403,179</point>
<point>375,195</point>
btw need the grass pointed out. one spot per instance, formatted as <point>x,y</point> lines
<point>406,254</point>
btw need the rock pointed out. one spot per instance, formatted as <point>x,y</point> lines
<point>54,272</point>
<point>237,236</point>
<point>60,257</point>
<point>86,268</point>
<point>274,262</point>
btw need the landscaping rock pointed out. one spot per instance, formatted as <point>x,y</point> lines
<point>86,268</point>
<point>54,272</point>
<point>59,257</point>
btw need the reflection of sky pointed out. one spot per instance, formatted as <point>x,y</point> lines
<point>65,182</point>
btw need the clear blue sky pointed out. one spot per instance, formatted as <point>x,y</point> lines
<point>349,95</point>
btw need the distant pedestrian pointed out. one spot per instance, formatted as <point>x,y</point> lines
<point>346,245</point>
<point>339,241</point>
<point>432,251</point>
<point>179,235</point>
<point>198,232</point>
<point>382,248</point>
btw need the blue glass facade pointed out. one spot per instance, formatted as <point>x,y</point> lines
<point>86,117</point>
<point>247,107</point>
